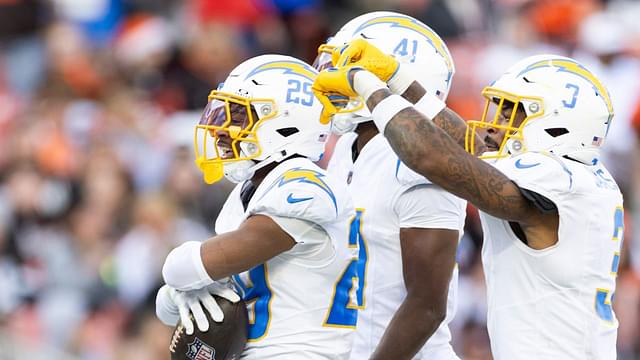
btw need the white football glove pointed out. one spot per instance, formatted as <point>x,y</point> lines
<point>173,305</point>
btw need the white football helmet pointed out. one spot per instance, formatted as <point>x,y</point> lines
<point>413,43</point>
<point>568,110</point>
<point>262,113</point>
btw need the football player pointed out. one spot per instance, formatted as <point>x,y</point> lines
<point>552,215</point>
<point>408,228</point>
<point>282,233</point>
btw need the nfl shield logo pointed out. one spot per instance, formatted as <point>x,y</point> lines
<point>198,350</point>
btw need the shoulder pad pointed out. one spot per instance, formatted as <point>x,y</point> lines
<point>541,172</point>
<point>304,193</point>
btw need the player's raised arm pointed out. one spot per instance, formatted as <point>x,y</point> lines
<point>447,120</point>
<point>402,79</point>
<point>427,149</point>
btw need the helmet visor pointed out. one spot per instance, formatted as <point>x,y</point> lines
<point>225,115</point>
<point>323,60</point>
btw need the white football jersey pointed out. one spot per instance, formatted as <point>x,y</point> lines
<point>389,196</point>
<point>556,303</point>
<point>300,302</point>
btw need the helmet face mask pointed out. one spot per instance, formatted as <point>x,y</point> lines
<point>226,132</point>
<point>568,110</point>
<point>415,46</point>
<point>227,121</point>
<point>521,110</point>
<point>262,113</point>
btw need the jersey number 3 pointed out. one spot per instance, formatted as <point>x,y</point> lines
<point>603,300</point>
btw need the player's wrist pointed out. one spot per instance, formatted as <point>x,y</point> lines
<point>386,109</point>
<point>366,83</point>
<point>401,80</point>
<point>430,105</point>
<point>184,270</point>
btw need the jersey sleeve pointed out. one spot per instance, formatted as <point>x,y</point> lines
<point>429,207</point>
<point>302,231</point>
<point>301,194</point>
<point>408,178</point>
<point>541,173</point>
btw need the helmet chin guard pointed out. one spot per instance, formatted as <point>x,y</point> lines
<point>239,171</point>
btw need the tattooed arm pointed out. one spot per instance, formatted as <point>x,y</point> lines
<point>447,120</point>
<point>429,151</point>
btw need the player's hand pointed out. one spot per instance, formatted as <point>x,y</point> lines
<point>361,53</point>
<point>334,87</point>
<point>173,305</point>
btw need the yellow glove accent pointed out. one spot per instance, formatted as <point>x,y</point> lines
<point>333,87</point>
<point>361,53</point>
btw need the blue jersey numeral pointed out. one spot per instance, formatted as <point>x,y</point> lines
<point>344,307</point>
<point>257,296</point>
<point>603,300</point>
<point>343,311</point>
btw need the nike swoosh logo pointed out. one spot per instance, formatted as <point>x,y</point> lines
<point>292,200</point>
<point>519,165</point>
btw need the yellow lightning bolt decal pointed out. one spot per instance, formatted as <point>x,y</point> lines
<point>289,67</point>
<point>420,28</point>
<point>577,69</point>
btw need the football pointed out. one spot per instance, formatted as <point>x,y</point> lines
<point>223,341</point>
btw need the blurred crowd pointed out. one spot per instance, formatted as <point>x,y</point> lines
<point>98,99</point>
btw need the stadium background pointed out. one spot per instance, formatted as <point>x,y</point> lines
<point>97,183</point>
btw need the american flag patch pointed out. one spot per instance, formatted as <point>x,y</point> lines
<point>597,141</point>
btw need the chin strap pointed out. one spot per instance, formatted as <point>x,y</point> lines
<point>242,171</point>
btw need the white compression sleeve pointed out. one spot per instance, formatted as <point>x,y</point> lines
<point>387,109</point>
<point>401,81</point>
<point>430,105</point>
<point>365,84</point>
<point>183,269</point>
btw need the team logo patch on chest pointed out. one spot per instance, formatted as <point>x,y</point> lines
<point>198,350</point>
